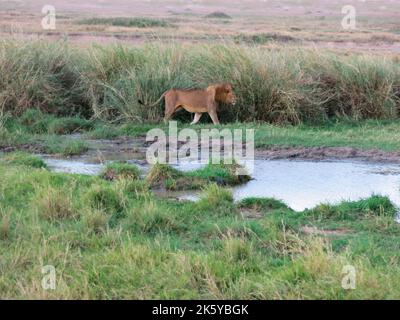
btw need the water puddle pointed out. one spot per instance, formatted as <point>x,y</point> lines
<point>73,166</point>
<point>300,184</point>
<point>304,184</point>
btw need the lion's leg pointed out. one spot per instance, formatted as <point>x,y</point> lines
<point>168,115</point>
<point>169,109</point>
<point>197,117</point>
<point>214,116</point>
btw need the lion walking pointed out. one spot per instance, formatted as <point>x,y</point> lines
<point>197,101</point>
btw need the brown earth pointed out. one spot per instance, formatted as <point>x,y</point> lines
<point>327,153</point>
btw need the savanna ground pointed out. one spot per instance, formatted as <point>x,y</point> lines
<point>302,82</point>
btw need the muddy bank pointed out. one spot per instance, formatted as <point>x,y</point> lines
<point>127,148</point>
<point>327,153</point>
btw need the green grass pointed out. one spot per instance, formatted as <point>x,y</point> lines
<point>23,159</point>
<point>64,146</point>
<point>128,22</point>
<point>280,85</point>
<point>367,134</point>
<point>107,242</point>
<point>117,170</point>
<point>261,204</point>
<point>165,176</point>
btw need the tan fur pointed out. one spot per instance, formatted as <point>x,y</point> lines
<point>198,101</point>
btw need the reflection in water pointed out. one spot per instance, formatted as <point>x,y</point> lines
<point>303,184</point>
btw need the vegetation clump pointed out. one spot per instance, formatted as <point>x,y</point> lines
<point>218,15</point>
<point>163,175</point>
<point>24,159</point>
<point>128,22</point>
<point>261,204</point>
<point>119,170</point>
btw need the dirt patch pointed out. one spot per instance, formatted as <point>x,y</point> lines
<point>324,232</point>
<point>251,214</point>
<point>23,147</point>
<point>327,153</point>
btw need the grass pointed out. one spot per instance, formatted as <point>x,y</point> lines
<point>263,38</point>
<point>24,159</point>
<point>261,204</point>
<point>138,22</point>
<point>64,146</point>
<point>165,176</point>
<point>364,134</point>
<point>281,85</point>
<point>110,243</point>
<point>37,122</point>
<point>118,170</point>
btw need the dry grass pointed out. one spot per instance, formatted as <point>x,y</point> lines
<point>280,85</point>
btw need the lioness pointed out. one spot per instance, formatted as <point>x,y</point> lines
<point>197,101</point>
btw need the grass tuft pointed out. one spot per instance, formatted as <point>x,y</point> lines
<point>24,159</point>
<point>96,221</point>
<point>261,204</point>
<point>213,197</point>
<point>104,197</point>
<point>65,146</point>
<point>118,170</point>
<point>54,205</point>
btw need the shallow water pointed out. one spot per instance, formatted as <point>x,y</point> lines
<point>300,184</point>
<point>73,166</point>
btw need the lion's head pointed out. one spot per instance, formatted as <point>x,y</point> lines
<point>224,93</point>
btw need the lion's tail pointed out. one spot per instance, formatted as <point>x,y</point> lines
<point>155,103</point>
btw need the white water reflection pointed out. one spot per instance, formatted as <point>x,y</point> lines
<point>304,184</point>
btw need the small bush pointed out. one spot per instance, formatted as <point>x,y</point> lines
<point>24,159</point>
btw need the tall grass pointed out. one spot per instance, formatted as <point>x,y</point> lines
<point>41,75</point>
<point>278,85</point>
